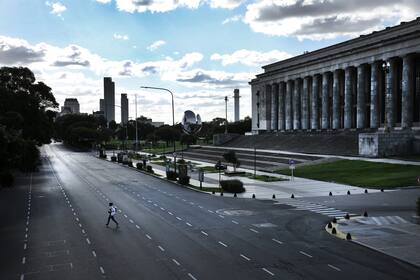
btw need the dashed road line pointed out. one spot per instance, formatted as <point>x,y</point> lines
<point>334,267</point>
<point>277,241</point>
<point>253,230</point>
<point>176,262</point>
<point>223,244</point>
<point>205,233</point>
<point>305,254</point>
<point>102,270</point>
<point>161,248</point>
<point>88,241</point>
<point>148,236</point>
<point>94,253</point>
<point>188,224</point>
<point>235,222</point>
<point>268,271</point>
<point>192,276</point>
<point>245,257</point>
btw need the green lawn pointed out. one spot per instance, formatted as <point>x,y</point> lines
<point>360,173</point>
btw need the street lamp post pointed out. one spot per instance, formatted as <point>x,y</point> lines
<point>226,122</point>
<point>173,114</point>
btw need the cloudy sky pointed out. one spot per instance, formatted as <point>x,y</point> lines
<point>200,49</point>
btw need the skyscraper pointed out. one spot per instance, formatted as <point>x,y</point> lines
<point>124,108</point>
<point>109,99</point>
<point>73,105</point>
<point>102,105</point>
<point>236,99</point>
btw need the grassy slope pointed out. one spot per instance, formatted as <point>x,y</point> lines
<point>361,173</point>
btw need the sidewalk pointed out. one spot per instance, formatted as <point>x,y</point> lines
<point>391,235</point>
<point>299,187</point>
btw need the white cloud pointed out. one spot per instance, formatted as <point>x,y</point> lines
<point>213,79</point>
<point>56,8</point>
<point>232,19</point>
<point>141,6</point>
<point>121,37</point>
<point>156,45</point>
<point>251,58</point>
<point>225,4</point>
<point>104,1</point>
<point>321,19</point>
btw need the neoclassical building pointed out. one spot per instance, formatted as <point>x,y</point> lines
<point>370,82</point>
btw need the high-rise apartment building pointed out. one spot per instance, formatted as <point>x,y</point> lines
<point>73,105</point>
<point>124,108</point>
<point>102,105</point>
<point>109,99</point>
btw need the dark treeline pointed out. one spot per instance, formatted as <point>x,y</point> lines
<point>26,120</point>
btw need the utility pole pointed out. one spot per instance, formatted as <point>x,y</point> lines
<point>226,121</point>
<point>137,135</point>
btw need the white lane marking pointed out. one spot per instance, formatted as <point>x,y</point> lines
<point>176,262</point>
<point>223,244</point>
<point>192,276</point>
<point>137,226</point>
<point>192,203</point>
<point>183,200</point>
<point>306,254</point>
<point>178,218</point>
<point>170,213</point>
<point>87,240</point>
<point>235,222</point>
<point>199,206</point>
<point>221,216</point>
<point>148,236</point>
<point>205,233</point>
<point>83,231</point>
<point>277,241</point>
<point>245,257</point>
<point>161,208</point>
<point>125,216</point>
<point>161,248</point>
<point>25,246</point>
<point>80,225</point>
<point>188,224</point>
<point>253,230</point>
<point>155,204</point>
<point>26,236</point>
<point>22,276</point>
<point>23,260</point>
<point>102,270</point>
<point>268,271</point>
<point>94,253</point>
<point>334,267</point>
<point>77,219</point>
<point>131,221</point>
<point>210,211</point>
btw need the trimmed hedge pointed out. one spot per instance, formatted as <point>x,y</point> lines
<point>113,158</point>
<point>171,175</point>
<point>232,186</point>
<point>139,165</point>
<point>6,179</point>
<point>184,180</point>
<point>130,163</point>
<point>149,169</point>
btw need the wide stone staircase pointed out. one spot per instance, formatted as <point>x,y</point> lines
<point>328,143</point>
<point>263,160</point>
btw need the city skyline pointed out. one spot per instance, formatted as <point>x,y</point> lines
<point>201,50</point>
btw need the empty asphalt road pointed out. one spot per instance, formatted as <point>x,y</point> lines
<point>53,227</point>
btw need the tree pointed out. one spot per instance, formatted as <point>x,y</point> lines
<point>231,157</point>
<point>187,139</point>
<point>167,133</point>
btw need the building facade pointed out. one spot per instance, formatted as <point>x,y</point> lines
<point>370,82</point>
<point>109,99</point>
<point>124,108</point>
<point>72,105</point>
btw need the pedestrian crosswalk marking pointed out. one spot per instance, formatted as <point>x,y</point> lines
<point>301,205</point>
<point>382,220</point>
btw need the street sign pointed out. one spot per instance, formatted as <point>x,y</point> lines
<point>200,175</point>
<point>292,165</point>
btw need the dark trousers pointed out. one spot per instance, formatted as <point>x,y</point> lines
<point>111,218</point>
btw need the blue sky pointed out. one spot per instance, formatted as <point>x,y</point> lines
<point>201,49</point>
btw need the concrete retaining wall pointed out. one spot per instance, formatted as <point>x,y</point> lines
<point>383,144</point>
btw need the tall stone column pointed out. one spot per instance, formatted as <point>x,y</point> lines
<point>348,96</point>
<point>361,96</point>
<point>325,114</point>
<point>305,103</point>
<point>274,106</point>
<point>407,92</point>
<point>391,92</point>
<point>374,93</point>
<point>282,95</point>
<point>296,104</point>
<point>288,105</point>
<point>268,107</point>
<point>314,102</point>
<point>336,100</point>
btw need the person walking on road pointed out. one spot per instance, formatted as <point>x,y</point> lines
<point>111,213</point>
